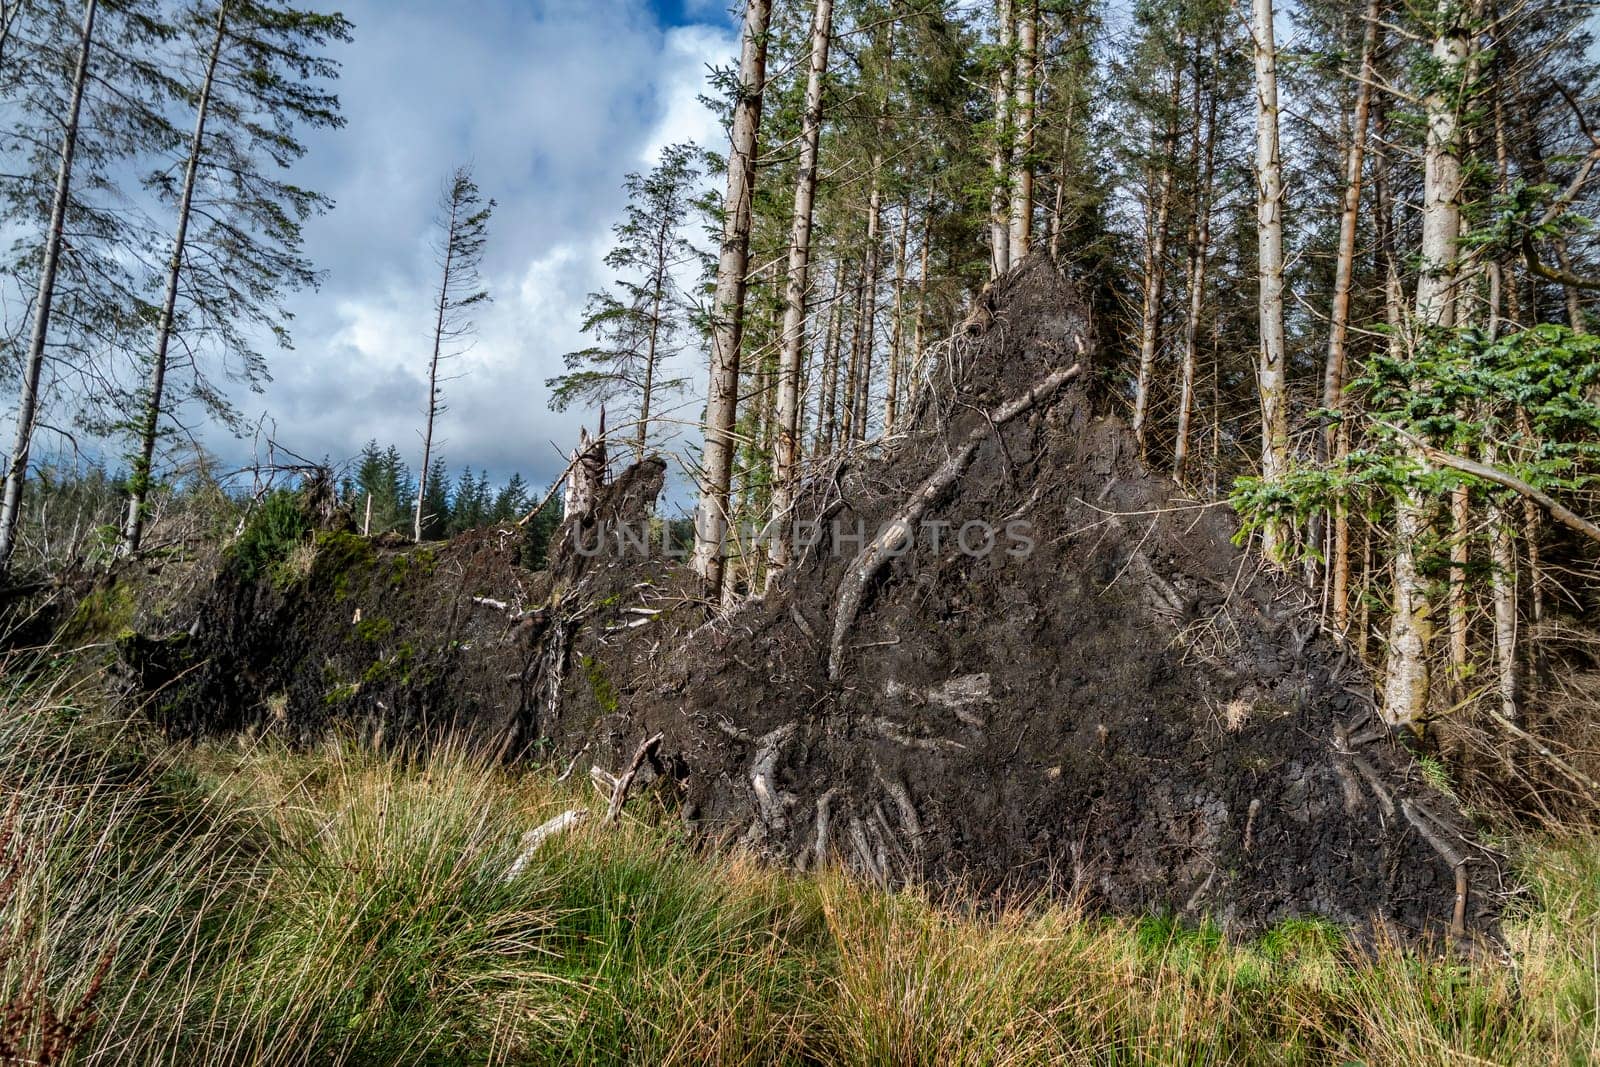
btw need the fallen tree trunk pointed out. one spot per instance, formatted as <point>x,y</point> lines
<point>882,548</point>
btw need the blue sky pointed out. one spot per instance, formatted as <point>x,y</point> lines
<point>552,101</point>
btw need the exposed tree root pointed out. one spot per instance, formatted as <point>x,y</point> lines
<point>882,548</point>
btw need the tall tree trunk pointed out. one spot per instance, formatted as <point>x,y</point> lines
<point>727,311</point>
<point>897,327</point>
<point>1199,251</point>
<point>917,334</point>
<point>1155,264</point>
<point>1335,435</point>
<point>433,370</point>
<point>786,454</point>
<point>658,297</point>
<point>1388,264</point>
<point>28,397</point>
<point>144,460</point>
<point>1460,526</point>
<point>862,405</point>
<point>1502,531</point>
<point>1056,225</point>
<point>827,403</point>
<point>869,302</point>
<point>847,420</point>
<point>1441,181</point>
<point>1000,150</point>
<point>1271,375</point>
<point>1022,152</point>
<point>1406,674</point>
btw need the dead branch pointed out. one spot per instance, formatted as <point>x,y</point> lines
<point>882,548</point>
<point>619,795</point>
<point>889,731</point>
<point>539,835</point>
<point>1554,274</point>
<point>1577,776</point>
<point>902,801</point>
<point>561,479</point>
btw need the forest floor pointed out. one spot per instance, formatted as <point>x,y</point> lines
<point>236,901</point>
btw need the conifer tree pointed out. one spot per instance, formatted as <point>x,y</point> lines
<point>236,232</point>
<point>728,306</point>
<point>638,320</point>
<point>463,225</point>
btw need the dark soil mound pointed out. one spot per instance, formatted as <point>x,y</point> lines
<point>1132,710</point>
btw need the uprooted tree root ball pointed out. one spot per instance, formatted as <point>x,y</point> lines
<point>1132,710</point>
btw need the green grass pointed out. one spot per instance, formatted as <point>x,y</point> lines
<point>262,906</point>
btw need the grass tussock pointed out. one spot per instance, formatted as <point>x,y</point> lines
<point>242,903</point>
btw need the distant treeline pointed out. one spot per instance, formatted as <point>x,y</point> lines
<point>449,506</point>
<point>74,510</point>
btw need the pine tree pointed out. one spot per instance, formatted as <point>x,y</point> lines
<point>786,441</point>
<point>64,146</point>
<point>511,502</point>
<point>235,246</point>
<point>638,321</point>
<point>435,516</point>
<point>463,225</point>
<point>728,306</point>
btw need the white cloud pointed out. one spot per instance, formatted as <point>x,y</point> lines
<point>683,117</point>
<point>552,103</point>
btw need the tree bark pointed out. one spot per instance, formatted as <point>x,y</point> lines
<point>1335,436</point>
<point>1000,150</point>
<point>1271,375</point>
<point>1441,181</point>
<point>860,407</point>
<point>727,313</point>
<point>28,398</point>
<point>1406,685</point>
<point>1388,262</point>
<point>1056,226</point>
<point>847,420</point>
<point>1460,523</point>
<point>1503,597</point>
<point>143,463</point>
<point>827,402</point>
<point>1199,252</point>
<point>917,331</point>
<point>1405,679</point>
<point>1022,151</point>
<point>787,451</point>
<point>897,327</point>
<point>1502,531</point>
<point>1155,265</point>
